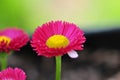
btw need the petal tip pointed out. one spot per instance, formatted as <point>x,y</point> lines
<point>73,54</point>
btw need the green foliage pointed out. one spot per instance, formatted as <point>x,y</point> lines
<point>28,14</point>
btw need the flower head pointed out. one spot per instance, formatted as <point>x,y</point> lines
<point>12,39</point>
<point>12,74</point>
<point>56,38</point>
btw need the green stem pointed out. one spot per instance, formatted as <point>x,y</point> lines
<point>3,60</point>
<point>58,67</point>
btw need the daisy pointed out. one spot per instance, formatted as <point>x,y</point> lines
<point>57,38</point>
<point>12,39</point>
<point>12,74</point>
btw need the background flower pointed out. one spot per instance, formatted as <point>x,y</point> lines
<point>12,39</point>
<point>57,38</point>
<point>12,74</point>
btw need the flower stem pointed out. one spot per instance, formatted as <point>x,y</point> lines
<point>58,67</point>
<point>3,60</point>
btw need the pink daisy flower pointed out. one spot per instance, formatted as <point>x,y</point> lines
<point>12,39</point>
<point>12,74</point>
<point>57,38</point>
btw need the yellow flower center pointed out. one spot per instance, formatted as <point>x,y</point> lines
<point>5,39</point>
<point>57,41</point>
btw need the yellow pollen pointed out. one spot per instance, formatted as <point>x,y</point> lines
<point>5,39</point>
<point>57,41</point>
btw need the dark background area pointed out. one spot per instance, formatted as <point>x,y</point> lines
<point>100,60</point>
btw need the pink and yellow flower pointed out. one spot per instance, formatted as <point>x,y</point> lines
<point>12,74</point>
<point>57,38</point>
<point>12,39</point>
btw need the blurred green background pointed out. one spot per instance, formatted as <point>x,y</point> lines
<point>88,14</point>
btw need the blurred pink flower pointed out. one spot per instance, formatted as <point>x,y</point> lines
<point>56,38</point>
<point>12,74</point>
<point>12,39</point>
